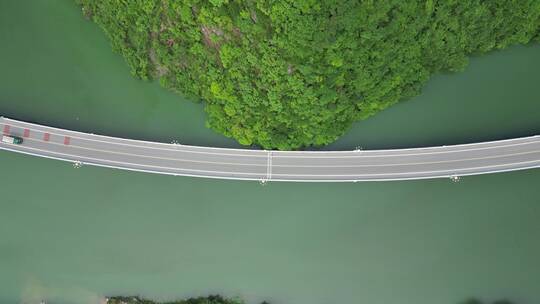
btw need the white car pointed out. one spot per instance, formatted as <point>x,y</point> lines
<point>14,140</point>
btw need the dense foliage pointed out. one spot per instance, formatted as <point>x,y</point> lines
<point>199,300</point>
<point>291,73</point>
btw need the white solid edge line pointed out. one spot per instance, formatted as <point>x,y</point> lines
<point>131,154</point>
<point>451,171</point>
<point>307,154</point>
<point>280,180</point>
<point>262,152</point>
<point>264,165</point>
<point>112,141</point>
<point>74,158</point>
<point>123,139</point>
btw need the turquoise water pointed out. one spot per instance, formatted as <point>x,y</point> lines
<point>73,235</point>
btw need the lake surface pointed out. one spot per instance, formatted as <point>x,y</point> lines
<point>72,235</point>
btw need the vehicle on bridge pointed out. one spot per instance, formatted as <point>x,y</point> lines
<point>10,139</point>
<point>452,161</point>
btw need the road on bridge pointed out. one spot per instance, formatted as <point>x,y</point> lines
<point>262,165</point>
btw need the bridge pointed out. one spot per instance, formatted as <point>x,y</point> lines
<point>262,165</point>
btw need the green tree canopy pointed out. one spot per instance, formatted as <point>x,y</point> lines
<point>287,74</point>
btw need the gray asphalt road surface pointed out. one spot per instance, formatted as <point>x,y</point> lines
<point>245,164</point>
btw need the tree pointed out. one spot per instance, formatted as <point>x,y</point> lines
<point>289,74</point>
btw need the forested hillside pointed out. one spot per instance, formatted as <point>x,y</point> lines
<point>287,74</point>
